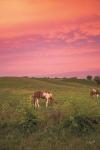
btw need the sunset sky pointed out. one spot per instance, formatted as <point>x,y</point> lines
<point>49,37</point>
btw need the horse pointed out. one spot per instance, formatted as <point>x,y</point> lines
<point>36,96</point>
<point>95,92</point>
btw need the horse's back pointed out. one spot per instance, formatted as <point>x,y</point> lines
<point>38,94</point>
<point>94,92</point>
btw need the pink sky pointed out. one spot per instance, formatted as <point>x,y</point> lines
<point>49,37</point>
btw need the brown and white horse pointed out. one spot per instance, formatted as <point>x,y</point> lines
<point>95,92</point>
<point>41,94</point>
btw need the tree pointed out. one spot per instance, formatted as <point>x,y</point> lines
<point>97,79</point>
<point>89,77</point>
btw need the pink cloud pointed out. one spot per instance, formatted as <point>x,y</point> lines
<point>51,46</point>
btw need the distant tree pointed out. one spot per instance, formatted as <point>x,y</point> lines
<point>89,77</point>
<point>73,78</point>
<point>97,79</point>
<point>64,78</point>
<point>56,78</point>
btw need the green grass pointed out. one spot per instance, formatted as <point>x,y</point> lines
<point>73,123</point>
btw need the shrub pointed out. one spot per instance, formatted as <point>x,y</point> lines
<point>30,123</point>
<point>97,79</point>
<point>80,124</point>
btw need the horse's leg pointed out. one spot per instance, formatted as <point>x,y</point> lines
<point>47,101</point>
<point>33,100</point>
<point>37,102</point>
<point>94,96</point>
<point>97,96</point>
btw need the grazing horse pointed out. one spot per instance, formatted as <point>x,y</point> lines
<point>95,92</point>
<point>44,95</point>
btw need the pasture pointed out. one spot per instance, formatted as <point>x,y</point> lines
<point>73,123</point>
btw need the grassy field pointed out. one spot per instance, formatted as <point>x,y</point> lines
<point>73,123</point>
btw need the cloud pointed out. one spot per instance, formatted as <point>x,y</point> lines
<point>49,36</point>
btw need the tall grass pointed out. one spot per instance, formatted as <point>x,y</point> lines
<point>72,123</point>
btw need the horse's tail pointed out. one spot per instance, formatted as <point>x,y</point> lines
<point>32,99</point>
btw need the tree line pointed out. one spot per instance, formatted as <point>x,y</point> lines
<point>96,78</point>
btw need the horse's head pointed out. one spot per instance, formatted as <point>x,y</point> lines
<point>52,100</point>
